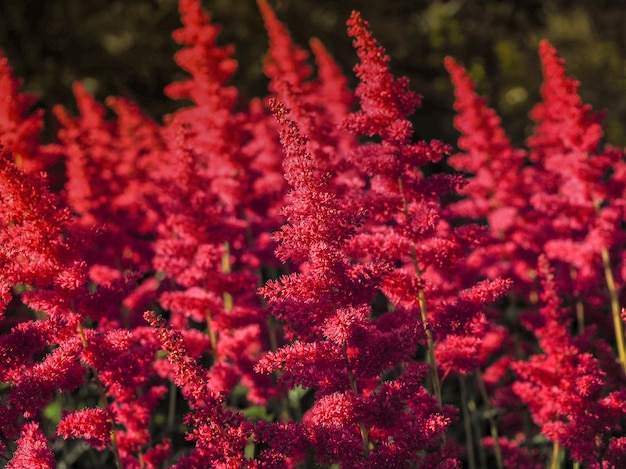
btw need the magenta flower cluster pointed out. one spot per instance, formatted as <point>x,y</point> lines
<point>284,282</point>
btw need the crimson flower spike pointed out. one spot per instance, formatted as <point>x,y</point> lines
<point>337,97</point>
<point>583,186</point>
<point>210,66</point>
<point>20,131</point>
<point>31,224</point>
<point>385,101</point>
<point>220,434</point>
<point>564,385</point>
<point>564,123</point>
<point>32,450</point>
<point>286,62</point>
<point>493,191</point>
<point>338,348</point>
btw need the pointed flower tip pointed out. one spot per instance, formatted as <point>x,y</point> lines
<point>548,53</point>
<point>449,62</point>
<point>79,89</point>
<point>316,45</point>
<point>278,109</point>
<point>545,45</point>
<point>355,16</point>
<point>357,26</point>
<point>267,12</point>
<point>456,70</point>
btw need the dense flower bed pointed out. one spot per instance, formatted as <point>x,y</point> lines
<point>291,277</point>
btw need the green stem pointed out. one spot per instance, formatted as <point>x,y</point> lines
<point>226,269</point>
<point>492,422</point>
<point>103,400</point>
<point>171,408</point>
<point>467,424</point>
<point>580,315</point>
<point>615,308</point>
<point>555,455</point>
<point>434,373</point>
<point>272,333</point>
<point>362,428</point>
<point>614,296</point>
<point>476,424</point>
<point>285,402</point>
<point>421,298</point>
<point>116,450</point>
<point>212,334</point>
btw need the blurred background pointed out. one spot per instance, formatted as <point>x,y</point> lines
<point>125,48</point>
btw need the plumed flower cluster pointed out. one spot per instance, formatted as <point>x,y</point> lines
<point>19,130</point>
<point>316,295</point>
<point>563,386</point>
<point>555,215</point>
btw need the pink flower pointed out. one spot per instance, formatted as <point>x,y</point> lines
<point>563,386</point>
<point>92,425</point>
<point>210,66</point>
<point>32,450</point>
<point>19,131</point>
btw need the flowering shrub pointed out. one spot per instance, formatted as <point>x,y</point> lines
<point>285,282</point>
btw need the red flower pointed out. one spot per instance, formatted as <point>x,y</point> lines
<point>92,425</point>
<point>32,450</point>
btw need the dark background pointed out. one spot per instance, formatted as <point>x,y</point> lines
<point>125,48</point>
